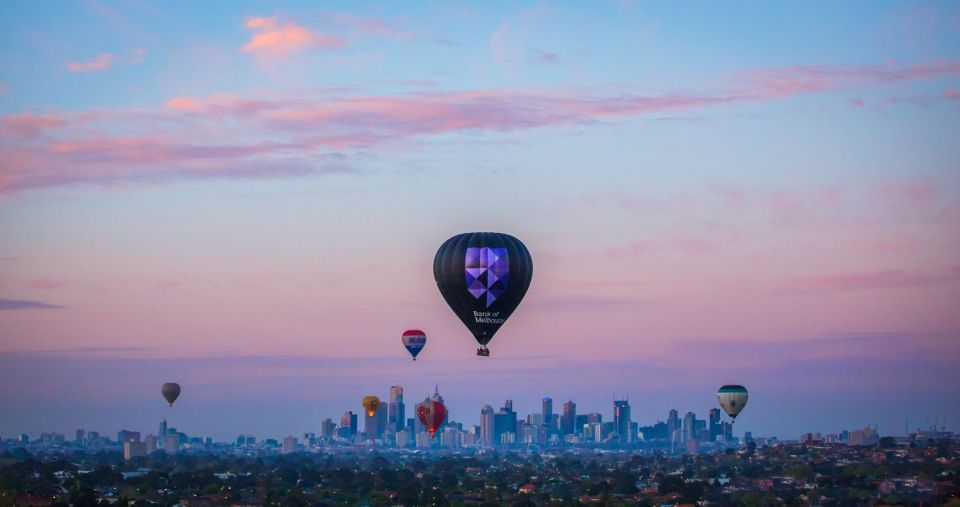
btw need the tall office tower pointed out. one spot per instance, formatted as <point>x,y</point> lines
<point>172,444</point>
<point>371,428</point>
<point>504,423</point>
<point>289,445</point>
<point>673,420</point>
<point>396,418</point>
<point>80,436</point>
<point>436,395</point>
<point>163,429</point>
<point>594,417</point>
<point>487,425</point>
<point>133,449</point>
<point>689,426</point>
<point>569,418</point>
<point>93,439</point>
<point>150,442</point>
<point>548,413</point>
<point>326,429</point>
<point>621,420</point>
<point>715,428</point>
<point>508,405</point>
<point>348,423</point>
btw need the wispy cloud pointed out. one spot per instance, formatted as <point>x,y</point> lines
<point>23,304</point>
<point>275,37</point>
<point>874,280</point>
<point>282,134</point>
<point>102,62</point>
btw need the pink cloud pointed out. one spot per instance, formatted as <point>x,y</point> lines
<point>951,94</point>
<point>857,102</point>
<point>786,81</point>
<point>275,38</point>
<point>47,284</point>
<point>286,133</point>
<point>373,26</point>
<point>103,62</point>
<point>876,280</point>
<point>28,125</point>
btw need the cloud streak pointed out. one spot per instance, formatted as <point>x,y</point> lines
<point>102,62</point>
<point>227,135</point>
<point>23,304</point>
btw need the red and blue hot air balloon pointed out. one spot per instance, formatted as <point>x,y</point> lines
<point>414,340</point>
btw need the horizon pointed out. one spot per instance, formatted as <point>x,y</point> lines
<point>247,200</point>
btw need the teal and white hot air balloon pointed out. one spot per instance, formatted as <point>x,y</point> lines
<point>732,399</point>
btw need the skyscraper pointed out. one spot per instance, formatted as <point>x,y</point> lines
<point>621,420</point>
<point>487,425</point>
<point>689,427</point>
<point>348,424</point>
<point>375,425</point>
<point>289,445</point>
<point>569,418</point>
<point>673,421</point>
<point>548,414</point>
<point>163,430</point>
<point>716,429</point>
<point>396,418</point>
<point>326,429</point>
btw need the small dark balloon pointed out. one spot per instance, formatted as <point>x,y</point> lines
<point>170,391</point>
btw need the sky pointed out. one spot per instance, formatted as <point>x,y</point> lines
<point>247,198</point>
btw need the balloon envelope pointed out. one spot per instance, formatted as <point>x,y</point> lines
<point>371,404</point>
<point>414,340</point>
<point>732,399</point>
<point>431,414</point>
<point>170,391</point>
<point>483,276</point>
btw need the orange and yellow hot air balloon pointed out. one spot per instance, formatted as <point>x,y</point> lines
<point>371,404</point>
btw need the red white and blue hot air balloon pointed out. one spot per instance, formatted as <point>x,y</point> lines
<point>414,340</point>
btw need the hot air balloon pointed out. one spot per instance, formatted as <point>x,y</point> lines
<point>432,414</point>
<point>371,404</point>
<point>732,399</point>
<point>170,391</point>
<point>483,276</point>
<point>414,340</point>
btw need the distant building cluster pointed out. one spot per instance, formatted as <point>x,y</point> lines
<point>391,425</point>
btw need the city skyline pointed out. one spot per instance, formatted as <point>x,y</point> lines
<point>247,200</point>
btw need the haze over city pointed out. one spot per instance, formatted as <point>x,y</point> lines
<point>247,199</point>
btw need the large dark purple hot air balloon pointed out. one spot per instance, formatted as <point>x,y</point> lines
<point>483,276</point>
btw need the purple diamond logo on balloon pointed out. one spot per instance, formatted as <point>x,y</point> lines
<point>487,271</point>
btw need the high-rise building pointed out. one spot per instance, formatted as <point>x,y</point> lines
<point>548,413</point>
<point>569,418</point>
<point>375,425</point>
<point>326,429</point>
<point>163,429</point>
<point>673,421</point>
<point>716,429</point>
<point>487,425</point>
<point>150,442</point>
<point>172,444</point>
<point>132,449</point>
<point>396,417</point>
<point>289,445</point>
<point>689,427</point>
<point>621,420</point>
<point>93,439</point>
<point>348,424</point>
<point>504,422</point>
<point>80,436</point>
